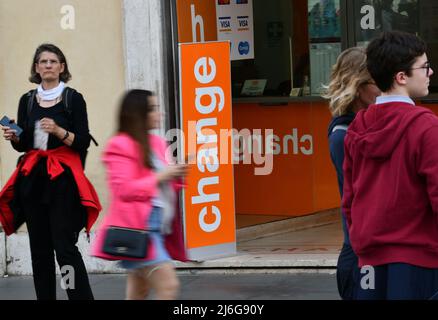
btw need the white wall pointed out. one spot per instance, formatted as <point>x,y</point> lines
<point>143,45</point>
<point>19,261</point>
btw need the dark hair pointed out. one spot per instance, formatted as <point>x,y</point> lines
<point>133,113</point>
<point>390,53</point>
<point>65,76</point>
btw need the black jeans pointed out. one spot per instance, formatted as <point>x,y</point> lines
<point>347,273</point>
<point>54,218</point>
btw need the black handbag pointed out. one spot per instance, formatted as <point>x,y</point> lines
<point>125,242</point>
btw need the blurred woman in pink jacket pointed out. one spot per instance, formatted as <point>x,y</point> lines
<point>143,193</point>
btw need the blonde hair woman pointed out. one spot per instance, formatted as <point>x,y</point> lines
<point>351,88</point>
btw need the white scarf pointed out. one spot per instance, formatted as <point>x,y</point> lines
<point>51,94</point>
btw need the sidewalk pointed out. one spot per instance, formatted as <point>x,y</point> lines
<point>283,249</point>
<point>289,266</point>
<point>315,248</point>
<point>201,286</point>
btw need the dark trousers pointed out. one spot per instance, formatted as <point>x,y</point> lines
<point>347,271</point>
<point>54,218</point>
<point>399,281</point>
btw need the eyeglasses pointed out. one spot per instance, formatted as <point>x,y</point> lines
<point>426,66</point>
<point>46,62</point>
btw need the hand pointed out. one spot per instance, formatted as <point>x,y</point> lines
<point>9,134</point>
<point>49,125</point>
<point>173,172</point>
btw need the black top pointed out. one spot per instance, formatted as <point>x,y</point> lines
<point>78,123</point>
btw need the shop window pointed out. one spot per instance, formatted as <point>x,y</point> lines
<point>296,43</point>
<point>325,40</point>
<point>375,16</point>
<point>372,17</point>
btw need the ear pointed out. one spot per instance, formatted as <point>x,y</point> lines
<point>62,67</point>
<point>401,78</point>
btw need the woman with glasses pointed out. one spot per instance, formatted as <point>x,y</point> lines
<point>350,89</point>
<point>48,189</point>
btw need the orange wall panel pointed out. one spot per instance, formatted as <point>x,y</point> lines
<point>300,183</point>
<point>326,191</point>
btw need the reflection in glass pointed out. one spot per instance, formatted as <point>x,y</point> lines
<point>325,40</point>
<point>414,16</point>
<point>385,15</point>
<point>324,19</point>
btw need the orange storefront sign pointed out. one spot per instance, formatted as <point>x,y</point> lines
<point>196,20</point>
<point>205,87</point>
<point>303,178</point>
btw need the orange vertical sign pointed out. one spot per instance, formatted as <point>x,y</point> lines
<point>196,20</point>
<point>205,87</point>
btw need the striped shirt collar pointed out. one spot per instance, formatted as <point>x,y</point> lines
<point>386,99</point>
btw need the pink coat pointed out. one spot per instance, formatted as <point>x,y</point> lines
<point>131,188</point>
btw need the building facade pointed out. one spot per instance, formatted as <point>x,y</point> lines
<point>277,76</point>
